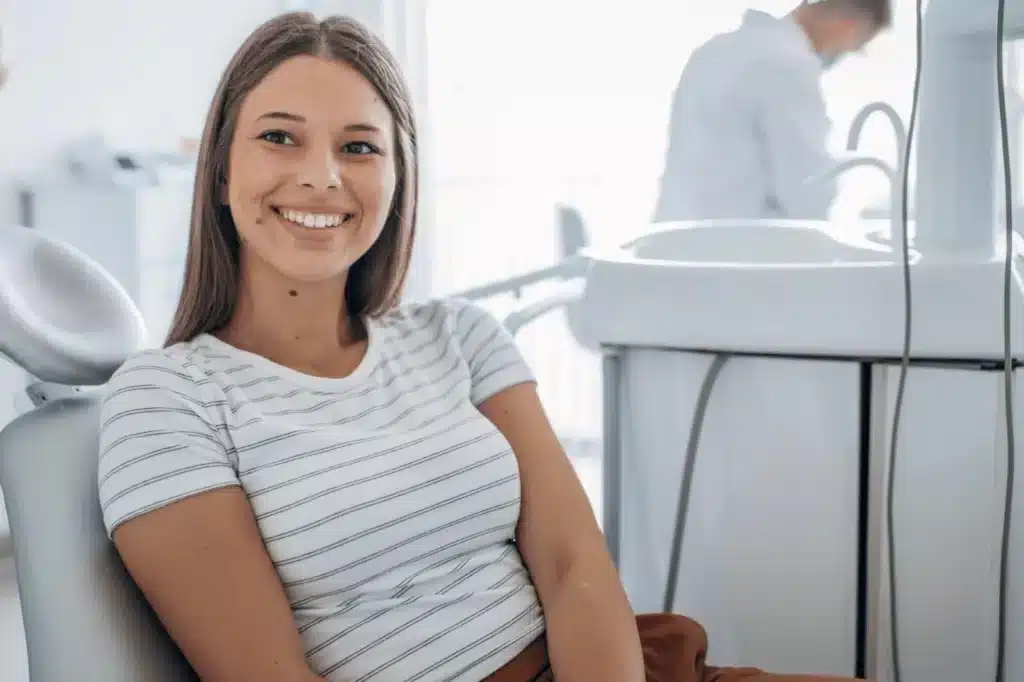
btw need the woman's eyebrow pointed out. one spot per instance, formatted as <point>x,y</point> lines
<point>286,116</point>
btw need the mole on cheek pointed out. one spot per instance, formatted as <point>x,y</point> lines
<point>293,293</point>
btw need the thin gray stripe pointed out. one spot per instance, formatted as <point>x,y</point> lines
<point>476,571</point>
<point>157,504</point>
<point>352,628</point>
<point>498,370</point>
<point>454,543</point>
<point>141,458</point>
<point>527,636</point>
<point>273,487</point>
<point>161,478</point>
<point>476,515</point>
<point>392,633</point>
<point>434,638</point>
<point>375,408</point>
<point>470,646</point>
<point>410,582</point>
<point>146,435</point>
<point>437,454</point>
<point>381,500</point>
<point>394,522</point>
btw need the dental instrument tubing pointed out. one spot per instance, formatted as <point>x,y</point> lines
<point>1008,280</point>
<point>696,427</point>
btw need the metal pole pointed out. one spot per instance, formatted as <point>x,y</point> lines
<point>612,464</point>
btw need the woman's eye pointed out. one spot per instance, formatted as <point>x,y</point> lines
<point>276,137</point>
<point>360,148</point>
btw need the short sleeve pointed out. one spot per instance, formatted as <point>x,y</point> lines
<point>495,361</point>
<point>158,443</point>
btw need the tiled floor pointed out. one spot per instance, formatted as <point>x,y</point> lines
<point>14,660</point>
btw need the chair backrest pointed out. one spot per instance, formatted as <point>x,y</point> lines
<point>572,232</point>
<point>84,617</point>
<point>65,320</point>
<point>573,238</point>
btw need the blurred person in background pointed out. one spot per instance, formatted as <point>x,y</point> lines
<point>748,129</point>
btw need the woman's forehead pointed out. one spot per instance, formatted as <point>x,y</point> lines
<point>318,89</point>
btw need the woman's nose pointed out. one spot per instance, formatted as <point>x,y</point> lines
<point>320,171</point>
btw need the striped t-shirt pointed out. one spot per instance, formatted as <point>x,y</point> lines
<point>387,502</point>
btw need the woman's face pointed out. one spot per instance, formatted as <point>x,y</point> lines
<point>311,172</point>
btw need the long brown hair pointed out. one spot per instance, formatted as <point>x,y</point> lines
<point>374,284</point>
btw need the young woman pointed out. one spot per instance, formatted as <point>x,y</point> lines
<point>312,482</point>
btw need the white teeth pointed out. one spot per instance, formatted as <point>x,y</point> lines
<point>312,220</point>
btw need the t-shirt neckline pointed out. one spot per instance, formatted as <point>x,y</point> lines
<point>362,371</point>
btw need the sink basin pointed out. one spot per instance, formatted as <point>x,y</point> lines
<point>747,243</point>
<point>804,288</point>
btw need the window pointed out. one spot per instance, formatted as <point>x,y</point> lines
<point>545,102</point>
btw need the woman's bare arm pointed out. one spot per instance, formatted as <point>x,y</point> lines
<point>202,565</point>
<point>591,629</point>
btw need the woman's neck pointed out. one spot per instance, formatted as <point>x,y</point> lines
<point>302,325</point>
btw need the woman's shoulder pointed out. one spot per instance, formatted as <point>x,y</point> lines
<point>177,368</point>
<point>439,322</point>
<point>451,313</point>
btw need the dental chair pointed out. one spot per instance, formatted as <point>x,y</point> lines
<point>70,325</point>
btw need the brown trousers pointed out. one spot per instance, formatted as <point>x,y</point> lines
<point>674,649</point>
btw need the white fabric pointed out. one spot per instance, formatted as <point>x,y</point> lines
<point>387,502</point>
<point>749,128</point>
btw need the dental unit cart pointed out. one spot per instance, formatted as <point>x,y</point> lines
<point>786,520</point>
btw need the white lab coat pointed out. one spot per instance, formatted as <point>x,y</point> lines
<point>749,128</point>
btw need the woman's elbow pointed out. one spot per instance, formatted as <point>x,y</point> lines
<point>570,565</point>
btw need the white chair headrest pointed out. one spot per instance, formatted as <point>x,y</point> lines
<point>63,318</point>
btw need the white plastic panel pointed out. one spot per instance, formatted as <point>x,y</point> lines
<point>950,481</point>
<point>843,307</point>
<point>770,555</point>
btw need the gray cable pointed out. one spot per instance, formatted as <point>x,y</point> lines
<point>1004,551</point>
<point>1007,361</point>
<point>689,464</point>
<point>901,385</point>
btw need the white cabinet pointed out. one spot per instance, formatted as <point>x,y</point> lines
<point>139,234</point>
<point>769,563</point>
<point>948,512</point>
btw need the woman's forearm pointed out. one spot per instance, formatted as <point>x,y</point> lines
<point>591,629</point>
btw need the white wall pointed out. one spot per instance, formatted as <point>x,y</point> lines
<point>141,72</point>
<point>126,68</point>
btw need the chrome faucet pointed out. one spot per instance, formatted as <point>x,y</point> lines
<point>895,185</point>
<point>893,172</point>
<point>898,129</point>
<point>850,162</point>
